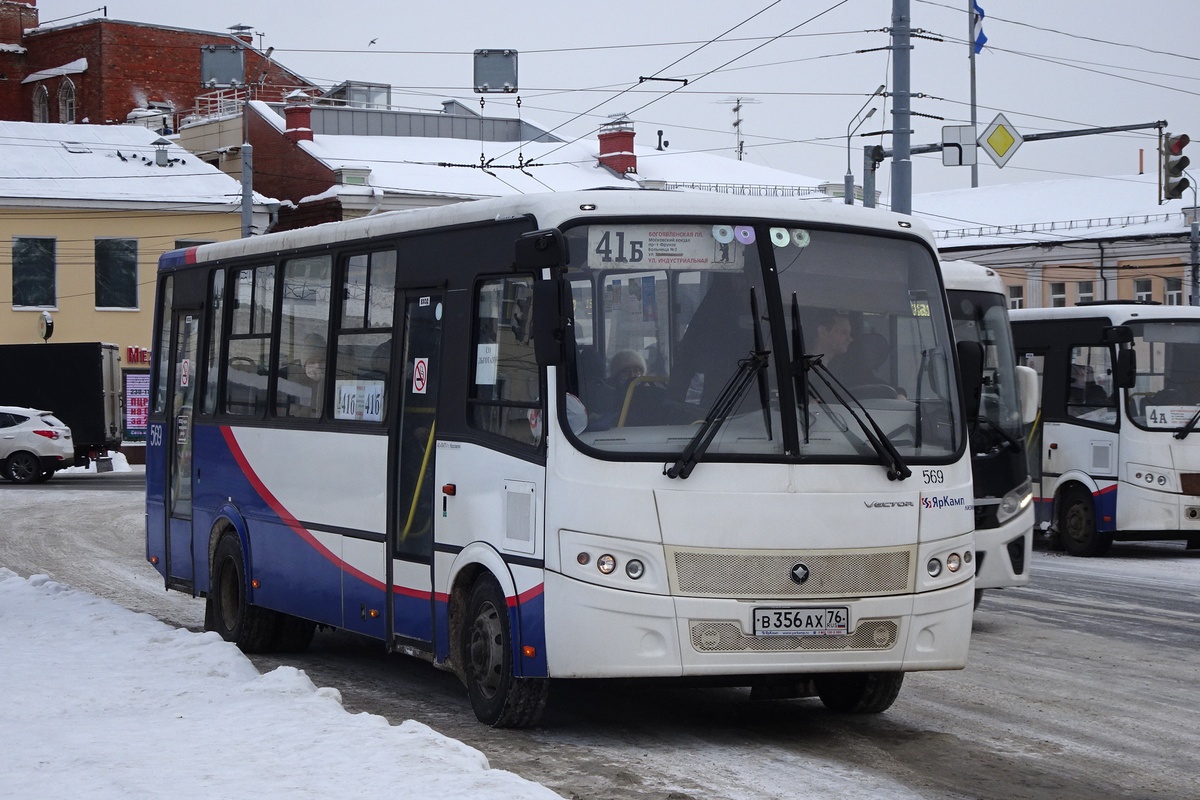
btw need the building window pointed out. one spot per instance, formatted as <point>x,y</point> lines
<point>1085,292</point>
<point>33,261</point>
<point>41,104</point>
<point>116,273</point>
<point>1174,291</point>
<point>66,102</point>
<point>1143,290</point>
<point>1058,295</point>
<point>1016,297</point>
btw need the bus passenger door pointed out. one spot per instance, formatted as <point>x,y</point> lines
<point>181,393</point>
<point>410,538</point>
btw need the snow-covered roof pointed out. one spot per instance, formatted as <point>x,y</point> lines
<point>105,164</point>
<point>71,68</point>
<point>448,167</point>
<point>1051,212</point>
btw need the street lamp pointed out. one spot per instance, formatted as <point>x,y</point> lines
<point>855,123</point>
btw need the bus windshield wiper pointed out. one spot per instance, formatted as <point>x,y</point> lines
<point>722,407</point>
<point>889,456</point>
<point>800,370</point>
<point>1183,432</point>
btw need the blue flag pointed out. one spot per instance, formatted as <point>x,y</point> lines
<point>977,28</point>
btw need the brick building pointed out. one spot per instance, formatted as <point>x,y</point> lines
<point>106,71</point>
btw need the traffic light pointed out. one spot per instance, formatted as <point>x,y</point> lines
<point>1174,162</point>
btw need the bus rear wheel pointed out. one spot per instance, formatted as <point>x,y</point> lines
<point>1077,524</point>
<point>227,610</point>
<point>859,692</point>
<point>498,697</point>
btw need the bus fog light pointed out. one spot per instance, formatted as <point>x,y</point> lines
<point>953,562</point>
<point>635,569</point>
<point>934,567</point>
<point>583,559</point>
<point>606,564</point>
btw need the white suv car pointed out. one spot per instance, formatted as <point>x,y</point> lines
<point>33,445</point>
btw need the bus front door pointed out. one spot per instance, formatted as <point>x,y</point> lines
<point>410,568</point>
<point>180,567</point>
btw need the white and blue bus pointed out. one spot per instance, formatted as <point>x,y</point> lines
<point>1004,512</point>
<point>580,435</point>
<point>1116,456</point>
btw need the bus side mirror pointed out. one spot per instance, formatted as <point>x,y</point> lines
<point>1027,394</point>
<point>550,322</point>
<point>970,377</point>
<point>540,250</point>
<point>1125,374</point>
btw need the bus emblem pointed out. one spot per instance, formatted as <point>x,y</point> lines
<point>800,573</point>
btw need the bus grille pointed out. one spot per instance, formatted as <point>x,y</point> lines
<point>713,637</point>
<point>751,575</point>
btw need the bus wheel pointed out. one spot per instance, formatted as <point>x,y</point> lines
<point>1077,524</point>
<point>498,697</point>
<point>228,613</point>
<point>859,692</point>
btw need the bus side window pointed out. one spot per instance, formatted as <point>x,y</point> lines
<point>505,390</point>
<point>1089,395</point>
<point>247,365</point>
<point>304,322</point>
<point>362,369</point>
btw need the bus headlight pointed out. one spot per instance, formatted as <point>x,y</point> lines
<point>635,569</point>
<point>606,564</point>
<point>1015,502</point>
<point>953,562</point>
<point>934,567</point>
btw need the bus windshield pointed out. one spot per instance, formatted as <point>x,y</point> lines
<point>775,340</point>
<point>982,317</point>
<point>1166,393</point>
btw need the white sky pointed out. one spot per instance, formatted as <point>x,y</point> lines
<point>801,91</point>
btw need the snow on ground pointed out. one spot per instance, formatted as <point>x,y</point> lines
<point>104,703</point>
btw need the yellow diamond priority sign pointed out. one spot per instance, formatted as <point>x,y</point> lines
<point>1000,140</point>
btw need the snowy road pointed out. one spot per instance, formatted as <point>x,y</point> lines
<point>1080,686</point>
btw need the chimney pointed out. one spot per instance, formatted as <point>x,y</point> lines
<point>297,115</point>
<point>616,146</point>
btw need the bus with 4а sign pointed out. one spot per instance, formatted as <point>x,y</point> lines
<point>1115,457</point>
<point>633,434</point>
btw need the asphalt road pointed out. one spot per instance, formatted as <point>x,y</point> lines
<point>1080,686</point>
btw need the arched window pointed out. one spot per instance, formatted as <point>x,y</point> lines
<point>41,104</point>
<point>66,101</point>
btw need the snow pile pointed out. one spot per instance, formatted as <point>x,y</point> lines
<point>101,702</point>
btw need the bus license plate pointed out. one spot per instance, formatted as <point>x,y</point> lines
<point>829,621</point>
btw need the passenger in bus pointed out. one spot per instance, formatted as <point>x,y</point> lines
<point>624,368</point>
<point>1084,389</point>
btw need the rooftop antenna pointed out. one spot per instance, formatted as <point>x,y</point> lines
<point>738,102</point>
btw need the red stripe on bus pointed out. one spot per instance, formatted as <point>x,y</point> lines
<point>289,520</point>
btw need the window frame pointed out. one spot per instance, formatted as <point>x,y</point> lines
<point>131,279</point>
<point>19,294</point>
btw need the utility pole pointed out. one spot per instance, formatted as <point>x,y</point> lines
<point>971,33</point>
<point>901,109</point>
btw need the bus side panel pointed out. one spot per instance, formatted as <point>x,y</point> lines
<point>156,534</point>
<point>300,571</point>
<point>527,614</point>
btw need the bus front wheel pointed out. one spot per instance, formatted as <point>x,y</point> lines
<point>859,692</point>
<point>227,609</point>
<point>498,697</point>
<point>1077,524</point>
